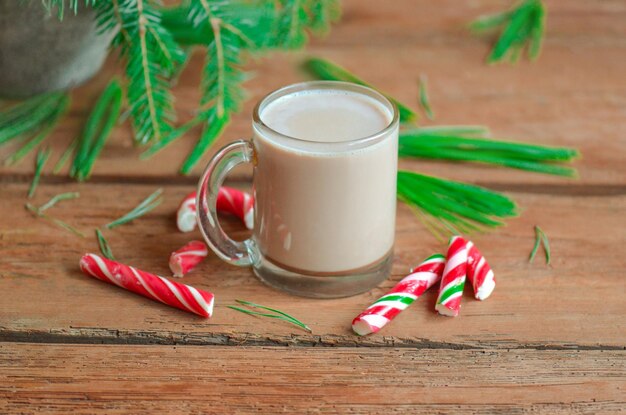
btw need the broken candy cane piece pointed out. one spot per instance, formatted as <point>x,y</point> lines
<point>187,258</point>
<point>479,273</point>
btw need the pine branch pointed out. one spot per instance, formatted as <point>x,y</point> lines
<point>151,57</point>
<point>222,78</point>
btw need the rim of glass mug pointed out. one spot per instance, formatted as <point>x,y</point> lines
<point>295,143</point>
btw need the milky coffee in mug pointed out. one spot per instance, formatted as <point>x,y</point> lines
<point>324,156</point>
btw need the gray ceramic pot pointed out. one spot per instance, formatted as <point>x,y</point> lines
<point>39,53</point>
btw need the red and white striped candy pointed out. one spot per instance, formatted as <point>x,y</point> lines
<point>229,200</point>
<point>453,279</point>
<point>187,258</point>
<point>405,292</point>
<point>148,285</point>
<point>186,214</point>
<point>479,273</point>
<point>239,203</point>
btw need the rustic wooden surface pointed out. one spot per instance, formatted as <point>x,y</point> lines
<point>552,339</point>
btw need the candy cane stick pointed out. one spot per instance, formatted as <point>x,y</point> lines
<point>148,285</point>
<point>453,279</point>
<point>479,273</point>
<point>386,308</point>
<point>229,200</point>
<point>187,258</point>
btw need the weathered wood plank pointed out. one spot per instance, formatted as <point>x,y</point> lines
<point>164,379</point>
<point>577,302</point>
<point>575,95</point>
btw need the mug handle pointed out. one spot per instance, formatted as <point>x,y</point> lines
<point>237,253</point>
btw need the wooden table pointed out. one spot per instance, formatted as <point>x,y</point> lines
<point>551,339</point>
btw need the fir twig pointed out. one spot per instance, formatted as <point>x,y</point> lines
<point>222,77</point>
<point>141,209</point>
<point>97,129</point>
<point>151,57</point>
<point>105,248</point>
<point>277,314</point>
<point>522,26</point>
<point>424,100</point>
<point>42,157</point>
<point>457,207</point>
<point>325,69</point>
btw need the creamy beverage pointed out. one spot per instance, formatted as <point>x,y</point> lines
<point>325,197</point>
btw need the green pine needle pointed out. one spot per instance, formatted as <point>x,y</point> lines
<point>72,5</point>
<point>327,70</point>
<point>46,128</point>
<point>522,27</point>
<point>42,157</point>
<point>459,147</point>
<point>424,100</point>
<point>277,314</point>
<point>105,248</point>
<point>141,209</point>
<point>97,130</point>
<point>71,148</point>
<point>39,212</point>
<point>454,207</point>
<point>540,239</point>
<point>28,116</point>
<point>58,198</point>
<point>212,131</point>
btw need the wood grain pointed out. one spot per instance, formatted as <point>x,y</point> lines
<point>578,300</point>
<point>245,380</point>
<point>551,340</point>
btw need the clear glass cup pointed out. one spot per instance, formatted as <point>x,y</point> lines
<point>324,213</point>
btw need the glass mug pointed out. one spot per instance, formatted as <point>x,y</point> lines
<point>324,211</point>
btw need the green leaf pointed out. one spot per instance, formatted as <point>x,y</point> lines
<point>327,70</point>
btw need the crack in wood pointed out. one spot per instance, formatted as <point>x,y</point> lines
<point>568,189</point>
<point>94,335</point>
